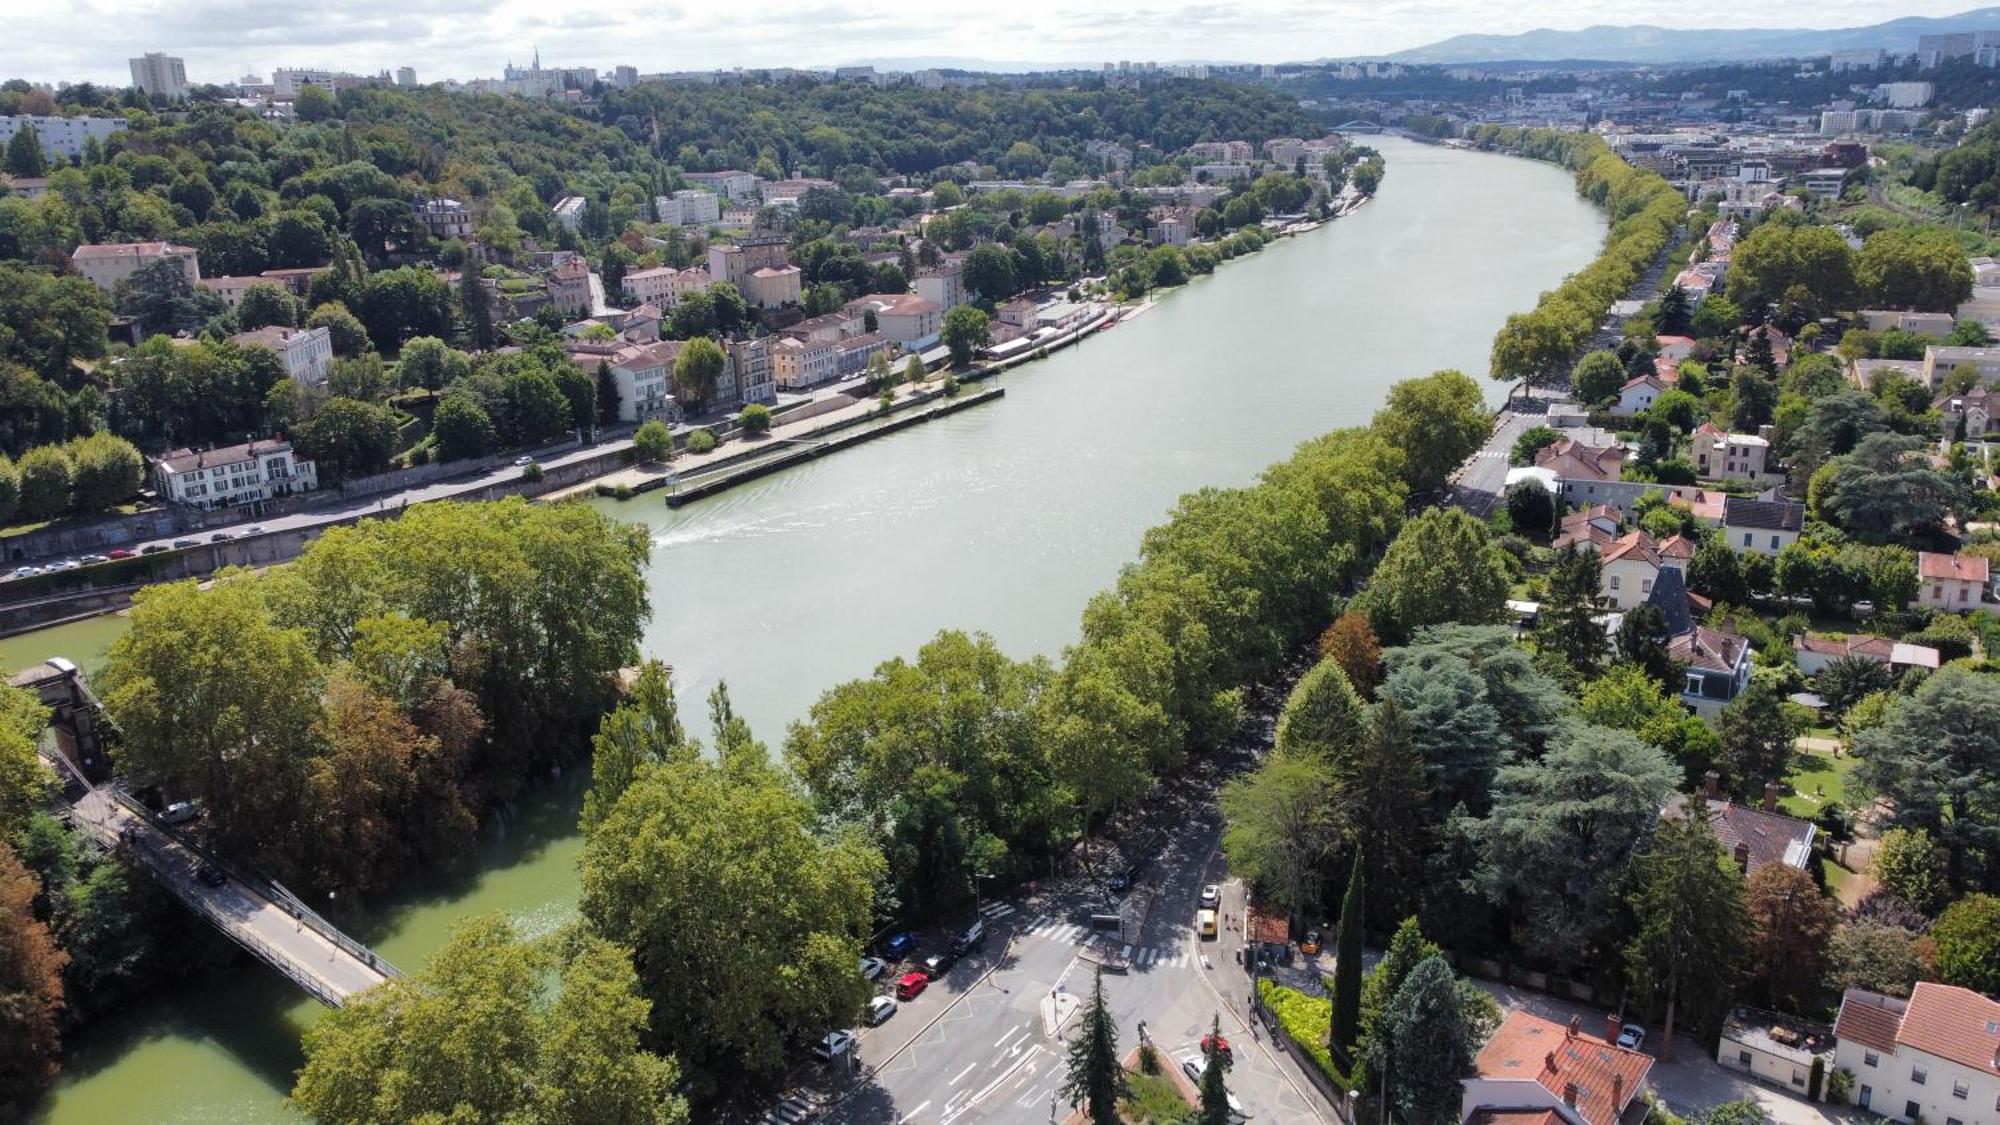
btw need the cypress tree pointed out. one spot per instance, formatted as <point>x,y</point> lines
<point>24,153</point>
<point>1096,1081</point>
<point>1214,1093</point>
<point>476,310</point>
<point>1347,970</point>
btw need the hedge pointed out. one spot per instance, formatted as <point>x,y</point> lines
<point>1304,1020</point>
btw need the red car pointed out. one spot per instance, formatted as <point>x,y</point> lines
<point>911,985</point>
<point>1217,1045</point>
<point>118,553</point>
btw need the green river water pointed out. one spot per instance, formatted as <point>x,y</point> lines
<point>1006,518</point>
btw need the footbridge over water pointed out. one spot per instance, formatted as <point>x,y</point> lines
<point>256,913</point>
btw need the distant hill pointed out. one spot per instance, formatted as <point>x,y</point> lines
<point>1639,43</point>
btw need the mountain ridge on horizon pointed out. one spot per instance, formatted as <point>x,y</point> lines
<point>1648,43</point>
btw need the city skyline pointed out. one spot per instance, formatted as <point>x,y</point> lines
<point>463,39</point>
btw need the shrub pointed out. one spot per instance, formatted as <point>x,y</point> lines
<point>950,386</point>
<point>701,441</point>
<point>1304,1020</point>
<point>533,472</point>
<point>755,419</point>
<point>653,441</point>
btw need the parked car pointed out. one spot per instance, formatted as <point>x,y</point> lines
<point>220,537</point>
<point>835,1045</point>
<point>26,571</point>
<point>118,553</point>
<point>1212,1044</point>
<point>938,964</point>
<point>254,529</point>
<point>67,564</point>
<point>879,1010</point>
<point>898,946</point>
<point>971,938</point>
<point>524,460</point>
<point>153,548</point>
<point>183,544</point>
<point>1211,896</point>
<point>873,967</point>
<point>911,985</point>
<point>93,560</point>
<point>1631,1036</point>
<point>180,812</point>
<point>210,875</point>
<point>1194,1066</point>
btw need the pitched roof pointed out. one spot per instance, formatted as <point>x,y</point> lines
<point>1677,546</point>
<point>127,250</point>
<point>1957,568</point>
<point>1569,457</point>
<point>1869,1018</point>
<point>271,336</point>
<point>1708,649</point>
<point>1598,1078</point>
<point>1770,515</point>
<point>1633,545</point>
<point>1767,837</point>
<point>1953,1023</point>
<point>183,460</point>
<point>1670,595</point>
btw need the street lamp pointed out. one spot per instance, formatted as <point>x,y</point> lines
<point>976,879</point>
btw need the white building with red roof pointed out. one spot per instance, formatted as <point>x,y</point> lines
<point>1951,582</point>
<point>1935,1056</point>
<point>1538,1072</point>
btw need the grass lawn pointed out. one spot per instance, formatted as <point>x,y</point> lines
<point>1816,779</point>
<point>1152,1099</point>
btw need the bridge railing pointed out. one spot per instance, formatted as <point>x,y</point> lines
<point>269,890</point>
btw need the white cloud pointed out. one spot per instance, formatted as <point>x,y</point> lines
<point>91,39</point>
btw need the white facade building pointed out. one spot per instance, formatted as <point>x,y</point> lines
<point>1934,1056</point>
<point>644,375</point>
<point>737,185</point>
<point>234,475</point>
<point>108,263</point>
<point>568,211</point>
<point>307,353</point>
<point>61,136</point>
<point>689,207</point>
<point>160,76</point>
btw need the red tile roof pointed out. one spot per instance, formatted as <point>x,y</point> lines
<point>1600,1079</point>
<point>1770,837</point>
<point>1634,545</point>
<point>1515,1117</point>
<point>1953,1023</point>
<point>1961,568</point>
<point>1869,1018</point>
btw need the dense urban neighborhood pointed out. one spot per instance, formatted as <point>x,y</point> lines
<point>1607,736</point>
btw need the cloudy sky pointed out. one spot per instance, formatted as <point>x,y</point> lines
<point>223,39</point>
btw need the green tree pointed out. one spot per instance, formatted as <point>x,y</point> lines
<point>10,489</point>
<point>1407,949</point>
<point>1937,757</point>
<point>348,439</point>
<point>1568,629</point>
<point>1322,716</point>
<point>965,332</point>
<point>1876,956</point>
<point>1095,1080</point>
<point>25,157</point>
<point>428,363</point>
<point>653,441</point>
<point>462,428</point>
<point>1909,865</point>
<point>1757,738</point>
<point>1641,641</point>
<point>475,311</point>
<point>476,1036</point>
<point>644,730</point>
<point>755,419</point>
<point>265,305</point>
<point>1968,943</point>
<point>1453,726</point>
<point>24,781</point>
<point>1561,828</point>
<point>1383,801</point>
<point>1693,930</point>
<point>714,871</point>
<point>1279,828</point>
<point>108,471</point>
<point>697,370</point>
<point>1531,508</point>
<point>162,297</point>
<point>46,474</point>
<point>1597,377</point>
<point>1438,421</point>
<point>1442,567</point>
<point>314,103</point>
<point>1214,1089</point>
<point>1535,439</point>
<point>1430,1045</point>
<point>1920,268</point>
<point>344,331</point>
<point>1345,1033</point>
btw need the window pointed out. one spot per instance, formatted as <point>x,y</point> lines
<point>1742,1058</point>
<point>1645,585</point>
<point>1918,1075</point>
<point>1614,582</point>
<point>1870,1058</point>
<point>1746,539</point>
<point>1953,1121</point>
<point>1798,1078</point>
<point>1912,1110</point>
<point>1694,685</point>
<point>1961,1091</point>
<point>1774,542</point>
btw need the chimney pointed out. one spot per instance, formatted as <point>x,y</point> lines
<point>1569,1094</point>
<point>1575,1026</point>
<point>1743,857</point>
<point>1549,1061</point>
<point>1617,1092</point>
<point>1611,1027</point>
<point>1712,784</point>
<point>1770,796</point>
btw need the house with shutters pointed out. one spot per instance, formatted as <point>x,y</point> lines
<point>1934,1057</point>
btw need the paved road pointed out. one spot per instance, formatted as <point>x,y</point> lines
<point>247,917</point>
<point>977,1047</point>
<point>1481,481</point>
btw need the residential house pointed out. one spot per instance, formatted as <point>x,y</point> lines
<point>750,377</point>
<point>855,353</point>
<point>771,286</point>
<point>664,286</point>
<point>943,285</point>
<point>1935,1056</point>
<point>1764,527</point>
<point>1753,836</point>
<point>231,289</point>
<point>1779,1049</point>
<point>641,325</point>
<point>568,211</point>
<point>62,137</point>
<point>1940,362</point>
<point>1721,455</point>
<point>789,192</point>
<point>1717,664</point>
<point>1639,393</point>
<point>569,288</point>
<point>1581,468</point>
<point>307,353</point>
<point>443,218</point>
<point>1951,582</point>
<point>1972,416</point>
<point>905,318</point>
<point>1628,567</point>
<point>234,475</point>
<point>1815,651</point>
<point>644,375</point>
<point>1536,1071</point>
<point>106,264</point>
<point>735,262</point>
<point>737,186</point>
<point>828,328</point>
<point>1865,374</point>
<point>1781,344</point>
<point>689,207</point>
<point>1936,326</point>
<point>802,364</point>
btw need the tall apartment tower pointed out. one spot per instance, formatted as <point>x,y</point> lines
<point>160,76</point>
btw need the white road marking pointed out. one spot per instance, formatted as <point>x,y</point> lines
<point>1016,1033</point>
<point>906,1117</point>
<point>962,1074</point>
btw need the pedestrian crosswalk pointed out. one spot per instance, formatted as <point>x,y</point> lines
<point>1059,930</point>
<point>995,911</point>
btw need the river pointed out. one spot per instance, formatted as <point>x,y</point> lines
<point>1005,518</point>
